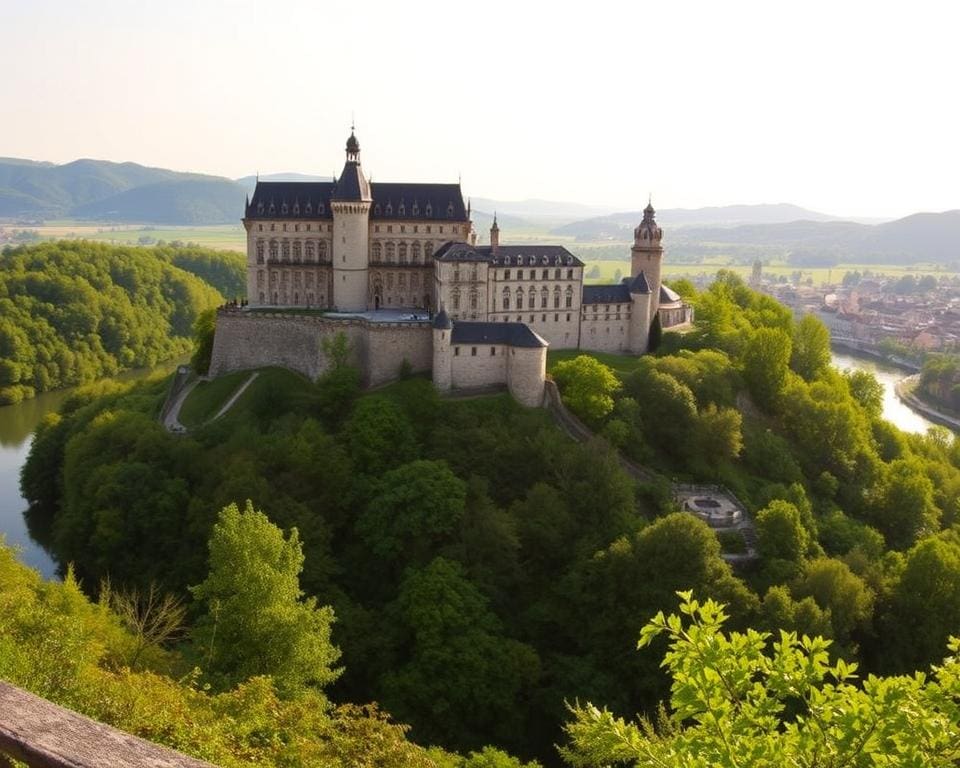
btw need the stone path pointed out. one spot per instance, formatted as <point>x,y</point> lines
<point>236,395</point>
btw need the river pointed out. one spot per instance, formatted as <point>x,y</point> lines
<point>18,422</point>
<point>17,425</point>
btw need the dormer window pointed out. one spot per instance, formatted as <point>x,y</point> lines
<point>429,210</point>
<point>389,209</point>
<point>309,208</point>
<point>533,261</point>
<point>296,209</point>
<point>416,209</point>
<point>569,260</point>
<point>320,208</point>
<point>283,209</point>
<point>402,210</point>
<point>260,208</point>
<point>543,260</point>
<point>376,209</point>
<point>273,209</point>
<point>450,210</point>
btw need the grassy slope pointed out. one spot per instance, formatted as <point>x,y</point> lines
<point>208,397</point>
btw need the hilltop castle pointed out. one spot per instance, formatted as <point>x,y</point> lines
<point>397,268</point>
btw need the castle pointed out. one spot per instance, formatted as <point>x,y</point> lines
<point>397,268</point>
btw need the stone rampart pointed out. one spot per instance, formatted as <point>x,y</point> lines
<point>246,340</point>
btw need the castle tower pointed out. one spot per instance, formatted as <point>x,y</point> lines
<point>442,330</point>
<point>494,236</point>
<point>640,316</point>
<point>647,256</point>
<point>351,202</point>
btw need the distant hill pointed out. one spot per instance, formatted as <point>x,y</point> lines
<point>921,237</point>
<point>533,208</point>
<point>619,226</point>
<point>128,192</point>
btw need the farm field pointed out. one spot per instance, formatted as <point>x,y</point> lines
<point>229,237</point>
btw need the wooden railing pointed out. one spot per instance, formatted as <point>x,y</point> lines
<point>45,735</point>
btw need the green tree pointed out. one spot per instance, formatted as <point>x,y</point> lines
<point>836,588</point>
<point>780,532</point>
<point>810,355</point>
<point>255,619</point>
<point>765,365</point>
<point>718,434</point>
<point>902,506</point>
<point>588,387</point>
<point>379,436</point>
<point>746,699</point>
<point>204,330</point>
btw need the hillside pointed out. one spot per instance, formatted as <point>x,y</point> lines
<point>97,189</point>
<point>72,312</point>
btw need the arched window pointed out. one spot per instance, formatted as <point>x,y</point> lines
<point>519,298</point>
<point>297,251</point>
<point>544,297</point>
<point>391,250</point>
<point>273,249</point>
<point>402,249</point>
<point>556,298</point>
<point>506,298</point>
<point>259,251</point>
<point>311,251</point>
<point>285,250</point>
<point>569,297</point>
<point>377,251</point>
<point>427,250</point>
<point>415,252</point>
<point>473,299</point>
<point>532,297</point>
<point>456,299</point>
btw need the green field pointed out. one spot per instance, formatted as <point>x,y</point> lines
<point>229,237</point>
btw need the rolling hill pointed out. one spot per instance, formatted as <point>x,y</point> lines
<point>121,192</point>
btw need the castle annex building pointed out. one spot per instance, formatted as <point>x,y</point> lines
<point>396,267</point>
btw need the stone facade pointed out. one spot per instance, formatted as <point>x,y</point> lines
<point>373,254</point>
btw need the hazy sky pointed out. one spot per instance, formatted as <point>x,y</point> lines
<point>846,107</point>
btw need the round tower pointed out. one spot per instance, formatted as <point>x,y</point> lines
<point>646,256</point>
<point>350,202</point>
<point>442,331</point>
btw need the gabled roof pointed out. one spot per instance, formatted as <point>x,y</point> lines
<point>669,296</point>
<point>512,334</point>
<point>618,293</point>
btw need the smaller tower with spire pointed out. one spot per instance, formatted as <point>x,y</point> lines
<point>494,236</point>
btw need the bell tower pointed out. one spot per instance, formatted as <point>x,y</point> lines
<point>351,201</point>
<point>647,255</point>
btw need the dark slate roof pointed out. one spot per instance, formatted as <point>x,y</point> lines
<point>639,284</point>
<point>668,296</point>
<point>514,334</point>
<point>442,320</point>
<point>556,255</point>
<point>352,186</point>
<point>291,200</point>
<point>518,255</point>
<point>419,202</point>
<point>436,202</point>
<point>606,294</point>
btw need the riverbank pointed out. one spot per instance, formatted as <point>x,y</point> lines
<point>905,389</point>
<point>859,349</point>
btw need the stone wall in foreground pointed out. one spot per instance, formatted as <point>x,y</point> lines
<point>246,340</point>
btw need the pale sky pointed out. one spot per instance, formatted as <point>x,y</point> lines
<point>847,107</point>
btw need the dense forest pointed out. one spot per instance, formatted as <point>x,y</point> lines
<point>74,311</point>
<point>484,571</point>
<point>940,381</point>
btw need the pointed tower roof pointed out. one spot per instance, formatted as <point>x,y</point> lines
<point>639,284</point>
<point>352,184</point>
<point>441,320</point>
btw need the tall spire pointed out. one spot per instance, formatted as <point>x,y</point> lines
<point>494,236</point>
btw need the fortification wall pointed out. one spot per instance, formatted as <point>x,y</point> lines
<point>469,371</point>
<point>606,335</point>
<point>389,344</point>
<point>247,340</point>
<point>526,375</point>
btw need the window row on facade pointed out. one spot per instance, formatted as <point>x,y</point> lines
<point>284,298</point>
<point>401,253</point>
<point>283,278</point>
<point>272,227</point>
<point>292,251</point>
<point>515,299</point>
<point>427,228</point>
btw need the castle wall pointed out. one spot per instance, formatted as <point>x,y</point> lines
<point>606,328</point>
<point>527,374</point>
<point>483,369</point>
<point>254,340</point>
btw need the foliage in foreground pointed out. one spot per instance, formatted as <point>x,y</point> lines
<point>747,699</point>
